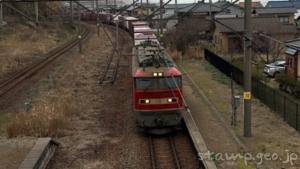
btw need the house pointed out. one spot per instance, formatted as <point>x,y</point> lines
<point>292,58</point>
<point>232,10</point>
<point>169,16</point>
<point>230,40</point>
<point>254,4</point>
<point>284,14</point>
<point>287,4</point>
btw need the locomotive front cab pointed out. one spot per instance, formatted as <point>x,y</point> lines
<point>158,93</point>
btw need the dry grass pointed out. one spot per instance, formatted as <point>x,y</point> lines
<point>48,118</point>
<point>22,45</point>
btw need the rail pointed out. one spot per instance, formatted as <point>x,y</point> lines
<point>27,72</point>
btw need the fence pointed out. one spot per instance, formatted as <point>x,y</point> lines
<point>282,104</point>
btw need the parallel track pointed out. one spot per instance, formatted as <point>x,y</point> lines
<point>26,73</point>
<point>111,67</point>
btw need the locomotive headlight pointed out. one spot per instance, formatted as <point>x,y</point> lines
<point>154,74</point>
<point>170,100</point>
<point>160,74</point>
<point>144,101</point>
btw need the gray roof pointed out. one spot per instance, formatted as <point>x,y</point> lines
<point>172,6</point>
<point>259,24</point>
<point>295,4</point>
<point>295,44</point>
<point>199,7</point>
<point>275,10</point>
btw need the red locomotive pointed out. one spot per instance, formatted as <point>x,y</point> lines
<point>157,83</point>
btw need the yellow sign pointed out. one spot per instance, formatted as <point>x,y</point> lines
<point>247,95</point>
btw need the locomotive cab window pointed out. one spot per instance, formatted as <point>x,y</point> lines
<point>158,83</point>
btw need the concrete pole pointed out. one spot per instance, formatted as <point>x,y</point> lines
<point>1,13</point>
<point>147,8</point>
<point>93,4</point>
<point>72,9</point>
<point>79,27</point>
<point>210,13</point>
<point>36,9</point>
<point>247,69</point>
<point>160,18</point>
<point>98,24</point>
<point>176,7</point>
<point>115,6</point>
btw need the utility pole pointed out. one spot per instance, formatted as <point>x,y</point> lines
<point>210,14</point>
<point>1,13</point>
<point>106,3</point>
<point>98,25</point>
<point>72,14</point>
<point>115,6</point>
<point>79,29</point>
<point>176,8</point>
<point>160,18</point>
<point>247,69</point>
<point>36,9</point>
<point>147,8</point>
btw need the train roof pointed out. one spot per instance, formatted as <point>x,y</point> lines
<point>149,53</point>
<point>141,36</point>
<point>138,42</point>
<point>145,29</point>
<point>130,18</point>
<point>139,23</point>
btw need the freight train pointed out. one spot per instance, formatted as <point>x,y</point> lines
<point>157,82</point>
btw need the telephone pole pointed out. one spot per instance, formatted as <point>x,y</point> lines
<point>247,69</point>
<point>1,13</point>
<point>175,8</point>
<point>79,29</point>
<point>160,18</point>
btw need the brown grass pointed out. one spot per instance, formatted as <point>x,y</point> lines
<point>22,45</point>
<point>47,119</point>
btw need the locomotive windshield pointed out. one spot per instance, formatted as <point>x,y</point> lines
<point>158,83</point>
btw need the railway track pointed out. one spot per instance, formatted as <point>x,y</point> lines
<point>21,76</point>
<point>173,152</point>
<point>111,67</point>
